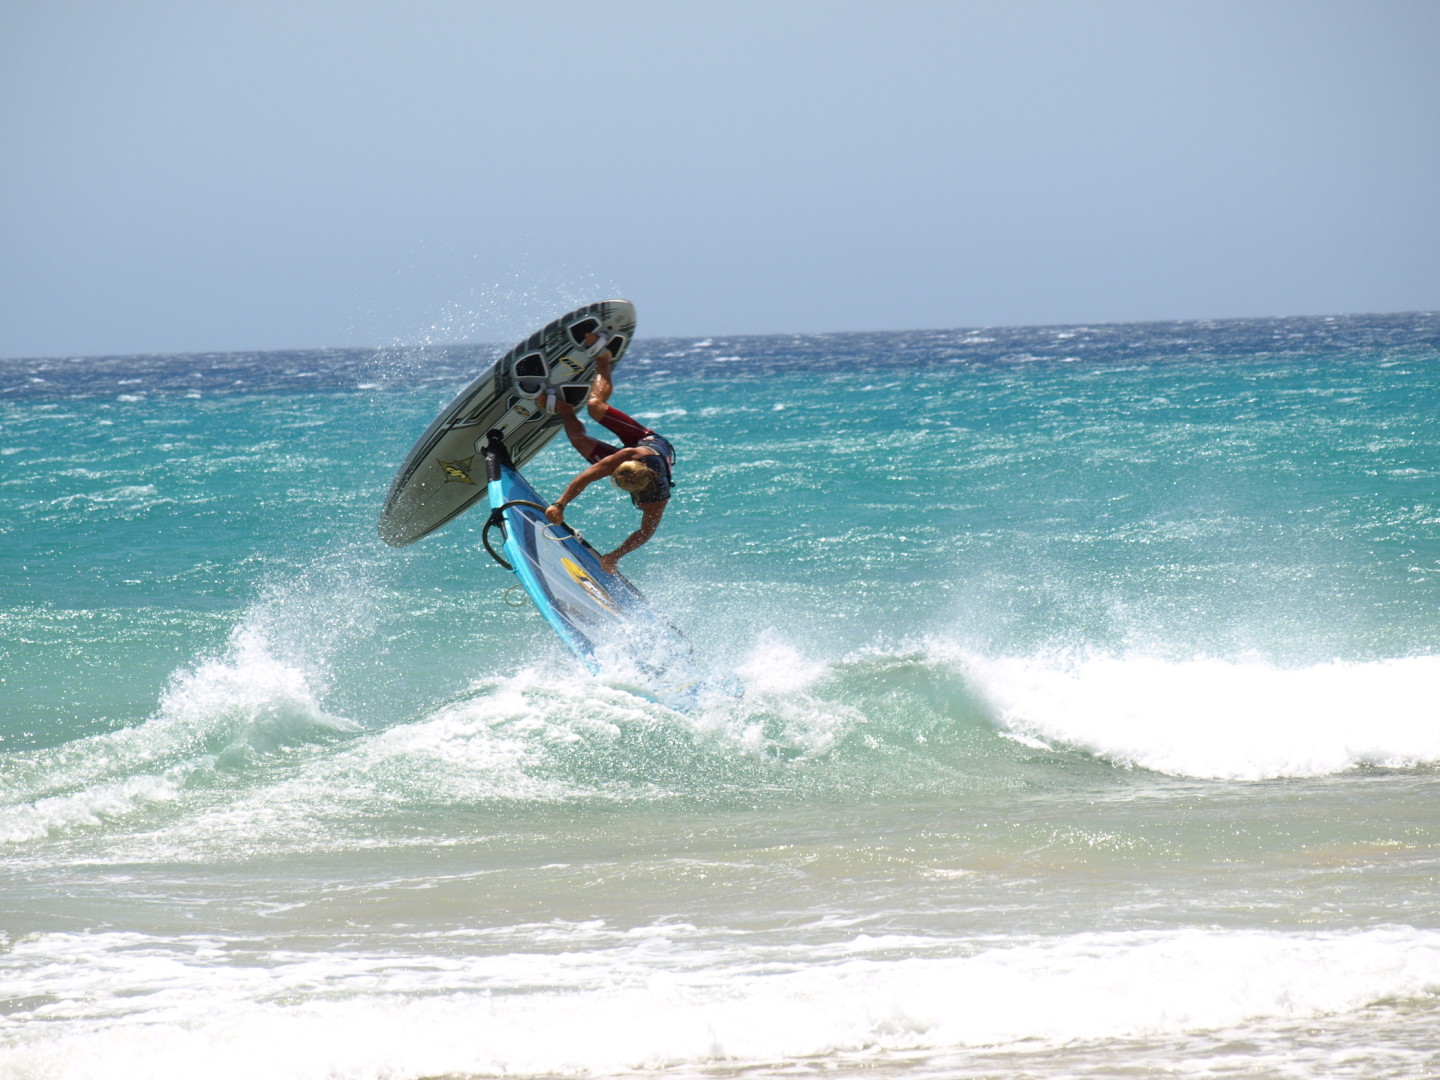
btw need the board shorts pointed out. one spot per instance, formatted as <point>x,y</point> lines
<point>631,433</point>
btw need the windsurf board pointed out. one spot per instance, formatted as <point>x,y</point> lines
<point>444,473</point>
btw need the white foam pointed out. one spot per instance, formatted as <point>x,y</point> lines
<point>122,1006</point>
<point>91,807</point>
<point>223,711</point>
<point>486,746</point>
<point>508,739</point>
<point>781,712</point>
<point>777,666</point>
<point>1214,718</point>
<point>250,696</point>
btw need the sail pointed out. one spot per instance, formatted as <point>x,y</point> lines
<point>599,615</point>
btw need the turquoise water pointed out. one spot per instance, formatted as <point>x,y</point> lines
<point>1090,722</point>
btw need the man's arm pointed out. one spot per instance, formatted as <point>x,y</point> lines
<point>650,515</point>
<point>603,467</point>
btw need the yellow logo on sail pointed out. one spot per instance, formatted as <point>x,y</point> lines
<point>585,581</point>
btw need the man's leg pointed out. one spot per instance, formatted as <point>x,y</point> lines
<point>579,438</point>
<point>630,431</point>
<point>601,388</point>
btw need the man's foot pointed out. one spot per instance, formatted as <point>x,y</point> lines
<point>595,343</point>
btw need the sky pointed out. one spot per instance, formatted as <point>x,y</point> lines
<point>183,176</point>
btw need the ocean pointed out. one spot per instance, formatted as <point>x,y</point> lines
<point>1090,727</point>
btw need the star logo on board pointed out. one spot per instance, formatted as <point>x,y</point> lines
<point>458,471</point>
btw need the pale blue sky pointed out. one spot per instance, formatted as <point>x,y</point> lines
<point>184,175</point>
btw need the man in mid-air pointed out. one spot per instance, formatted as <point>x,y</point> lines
<point>641,466</point>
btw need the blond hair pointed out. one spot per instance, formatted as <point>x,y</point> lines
<point>631,476</point>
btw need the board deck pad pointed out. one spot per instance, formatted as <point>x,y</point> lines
<point>444,473</point>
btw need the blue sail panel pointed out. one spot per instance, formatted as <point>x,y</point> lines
<point>600,616</point>
<point>560,572</point>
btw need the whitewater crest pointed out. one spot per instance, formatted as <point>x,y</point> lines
<point>218,717</point>
<point>1221,719</point>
